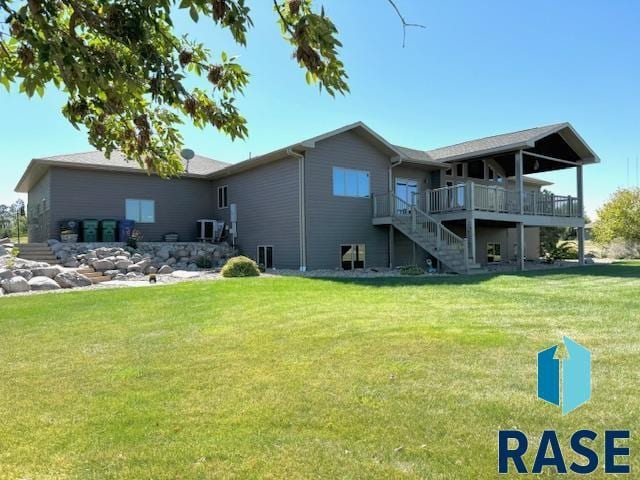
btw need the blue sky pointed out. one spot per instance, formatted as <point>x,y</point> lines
<point>480,68</point>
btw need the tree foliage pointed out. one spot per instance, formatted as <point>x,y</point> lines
<point>11,220</point>
<point>619,217</point>
<point>125,71</point>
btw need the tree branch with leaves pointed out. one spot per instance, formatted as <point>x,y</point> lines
<point>125,71</point>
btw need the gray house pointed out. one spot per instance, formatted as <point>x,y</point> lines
<point>346,199</point>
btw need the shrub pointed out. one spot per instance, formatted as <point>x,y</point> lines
<point>135,237</point>
<point>204,261</point>
<point>562,251</point>
<point>621,249</point>
<point>411,270</point>
<point>240,267</point>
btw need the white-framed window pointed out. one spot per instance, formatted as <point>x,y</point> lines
<point>352,256</point>
<point>140,211</point>
<point>493,253</point>
<point>265,256</point>
<point>351,183</point>
<point>223,197</point>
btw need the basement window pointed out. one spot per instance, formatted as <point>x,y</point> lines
<point>352,256</point>
<point>265,256</point>
<point>493,253</point>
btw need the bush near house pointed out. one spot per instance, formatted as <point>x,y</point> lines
<point>240,267</point>
<point>411,270</point>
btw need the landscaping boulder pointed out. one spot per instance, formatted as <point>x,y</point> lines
<point>51,242</point>
<point>5,273</point>
<point>103,265</point>
<point>72,280</point>
<point>163,253</point>
<point>150,270</point>
<point>3,251</point>
<point>71,263</point>
<point>24,273</point>
<point>134,276</point>
<point>43,283</point>
<point>15,285</point>
<point>111,273</point>
<point>50,271</point>
<point>123,264</point>
<point>165,270</point>
<point>171,261</point>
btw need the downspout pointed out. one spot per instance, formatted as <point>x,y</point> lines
<point>301,208</point>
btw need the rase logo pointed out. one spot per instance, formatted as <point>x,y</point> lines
<point>564,380</point>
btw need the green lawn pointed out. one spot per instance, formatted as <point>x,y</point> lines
<point>302,378</point>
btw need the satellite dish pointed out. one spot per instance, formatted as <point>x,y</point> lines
<point>187,154</point>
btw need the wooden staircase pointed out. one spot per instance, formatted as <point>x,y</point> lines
<point>91,274</point>
<point>37,252</point>
<point>433,237</point>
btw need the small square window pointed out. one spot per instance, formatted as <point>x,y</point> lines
<point>352,256</point>
<point>265,256</point>
<point>223,199</point>
<point>493,253</point>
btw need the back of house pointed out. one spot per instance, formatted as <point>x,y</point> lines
<point>346,199</point>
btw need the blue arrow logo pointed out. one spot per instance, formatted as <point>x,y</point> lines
<point>565,380</point>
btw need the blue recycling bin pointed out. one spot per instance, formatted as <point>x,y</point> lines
<point>125,227</point>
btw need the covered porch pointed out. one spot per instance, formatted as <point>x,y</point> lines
<point>490,180</point>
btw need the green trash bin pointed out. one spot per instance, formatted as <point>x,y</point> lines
<point>89,231</point>
<point>108,229</point>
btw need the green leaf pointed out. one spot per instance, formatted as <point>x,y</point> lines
<point>193,11</point>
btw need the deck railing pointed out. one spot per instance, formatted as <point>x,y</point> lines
<point>489,198</point>
<point>418,222</point>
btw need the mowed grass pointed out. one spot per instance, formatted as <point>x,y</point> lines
<point>307,378</point>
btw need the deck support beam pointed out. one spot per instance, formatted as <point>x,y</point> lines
<point>391,247</point>
<point>520,246</point>
<point>471,238</point>
<point>581,245</point>
<point>520,181</point>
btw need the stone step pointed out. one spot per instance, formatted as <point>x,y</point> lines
<point>93,274</point>
<point>100,279</point>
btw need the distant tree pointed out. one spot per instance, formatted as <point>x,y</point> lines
<point>10,218</point>
<point>619,217</point>
<point>127,74</point>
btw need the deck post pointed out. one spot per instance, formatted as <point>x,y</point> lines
<point>375,206</point>
<point>519,181</point>
<point>471,238</point>
<point>581,245</point>
<point>471,196</point>
<point>391,247</point>
<point>520,246</point>
<point>580,191</point>
<point>391,209</point>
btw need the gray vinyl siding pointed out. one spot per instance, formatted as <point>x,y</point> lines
<point>89,194</point>
<point>38,198</point>
<point>422,175</point>
<point>333,221</point>
<point>267,200</point>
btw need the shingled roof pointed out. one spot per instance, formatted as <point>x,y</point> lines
<point>198,165</point>
<point>495,142</point>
